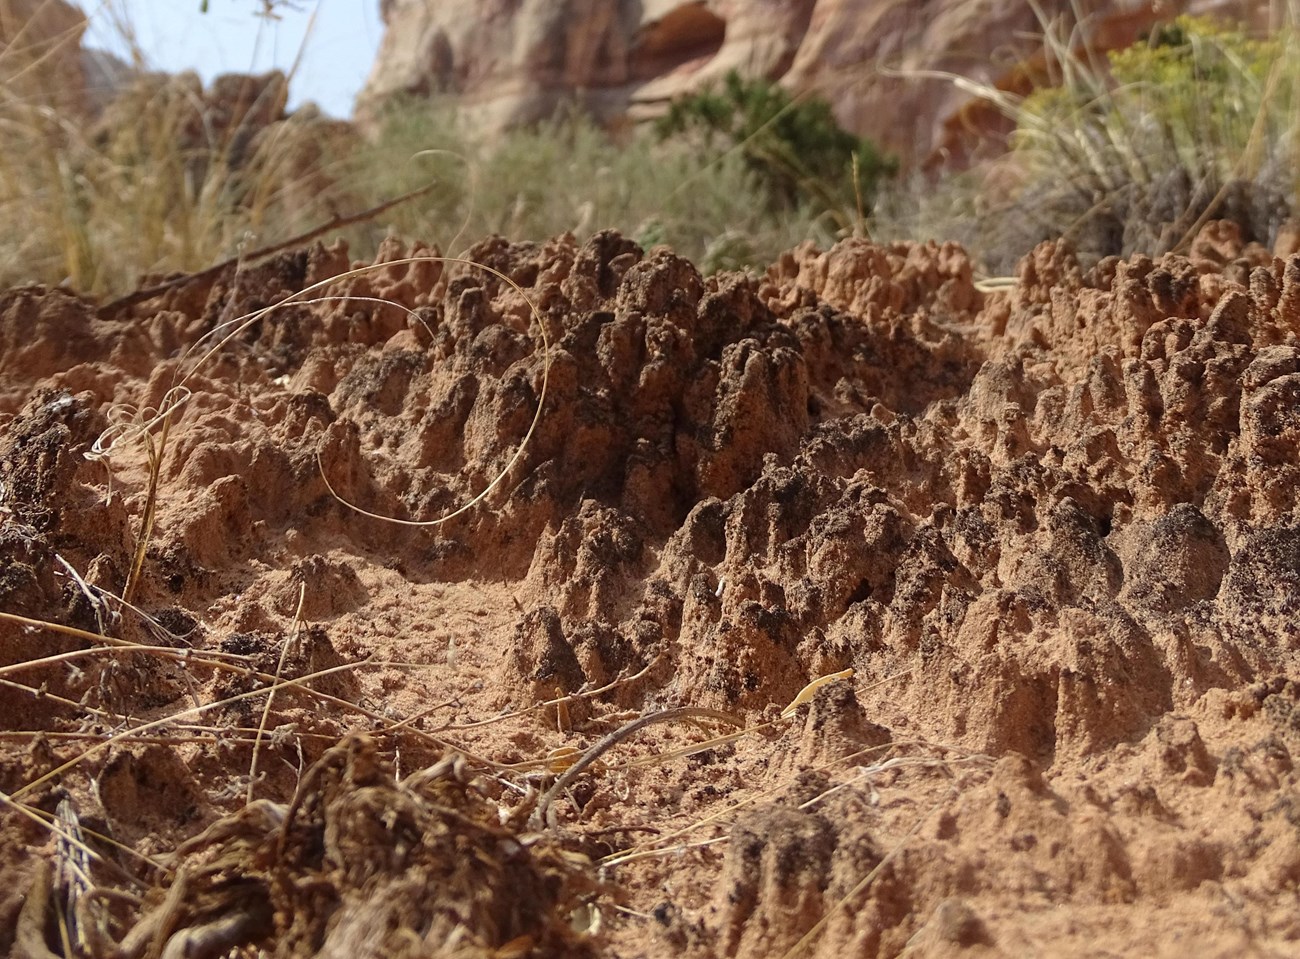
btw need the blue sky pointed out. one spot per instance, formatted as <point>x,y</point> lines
<point>175,35</point>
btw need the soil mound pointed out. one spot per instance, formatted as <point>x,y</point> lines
<point>1045,541</point>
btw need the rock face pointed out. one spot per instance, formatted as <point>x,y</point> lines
<point>512,62</point>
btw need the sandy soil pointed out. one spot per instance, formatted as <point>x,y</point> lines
<point>1052,530</point>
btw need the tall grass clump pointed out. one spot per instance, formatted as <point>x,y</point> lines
<point>104,190</point>
<point>567,174</point>
<point>169,178</point>
<point>1134,150</point>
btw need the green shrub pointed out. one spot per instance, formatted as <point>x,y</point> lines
<point>795,147</point>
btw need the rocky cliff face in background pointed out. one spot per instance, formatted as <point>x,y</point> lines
<point>511,62</point>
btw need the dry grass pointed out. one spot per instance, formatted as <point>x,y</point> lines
<point>174,177</point>
<point>153,187</point>
<point>567,175</point>
<point>1129,152</point>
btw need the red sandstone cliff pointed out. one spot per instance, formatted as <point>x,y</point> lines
<point>515,61</point>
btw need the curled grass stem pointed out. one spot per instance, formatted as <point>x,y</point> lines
<point>541,815</point>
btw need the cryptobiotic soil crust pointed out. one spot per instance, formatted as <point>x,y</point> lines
<point>1052,530</point>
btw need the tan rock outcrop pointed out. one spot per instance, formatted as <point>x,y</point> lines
<point>623,60</point>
